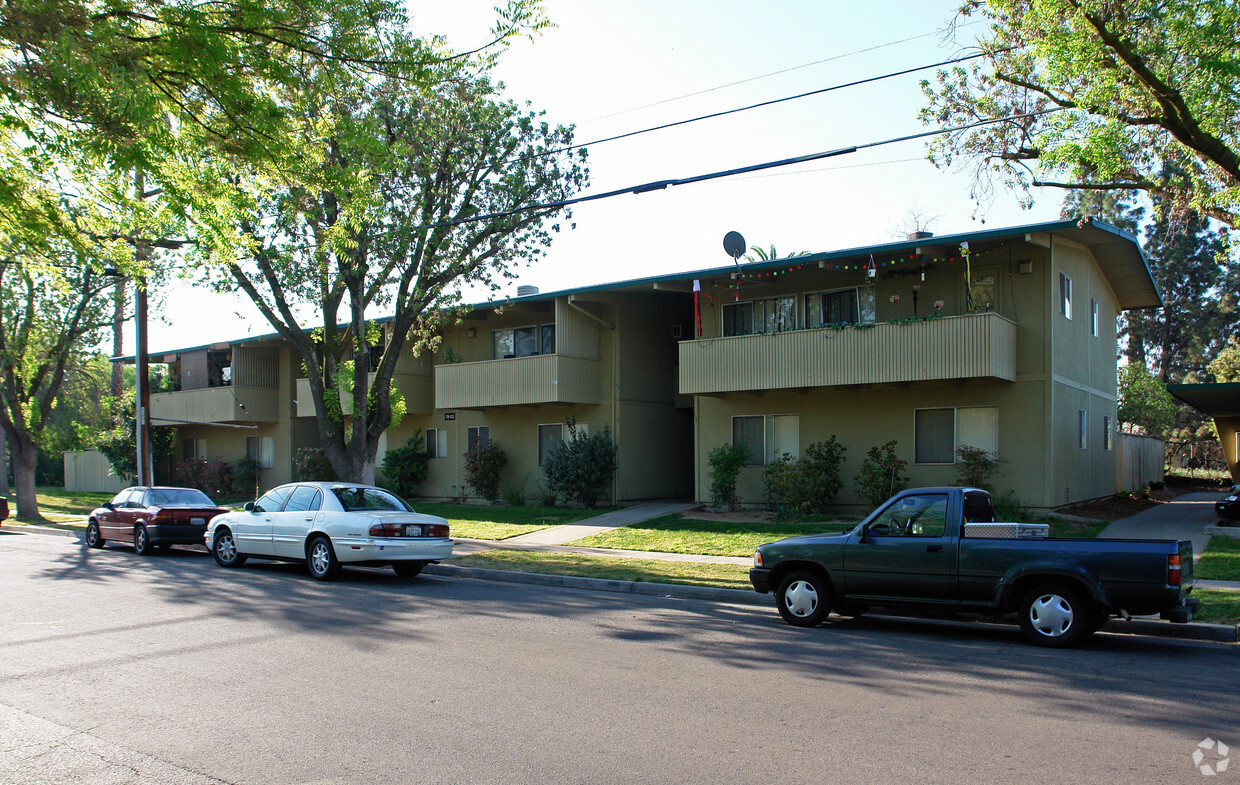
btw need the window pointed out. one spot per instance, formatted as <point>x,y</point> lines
<point>477,436</point>
<point>272,500</point>
<point>119,499</point>
<point>770,315</point>
<point>437,442</point>
<point>783,435</point>
<point>751,432</point>
<point>939,432</point>
<point>261,449</point>
<point>187,450</point>
<point>366,498</point>
<point>1093,311</point>
<point>550,436</point>
<point>305,498</point>
<point>923,515</point>
<point>1106,433</point>
<point>1065,295</point>
<point>843,306</point>
<point>523,341</point>
<point>1082,426</point>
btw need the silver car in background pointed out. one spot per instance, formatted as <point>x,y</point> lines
<point>327,525</point>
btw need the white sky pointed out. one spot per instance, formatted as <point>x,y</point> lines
<point>606,57</point>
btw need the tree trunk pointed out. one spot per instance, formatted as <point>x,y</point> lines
<point>25,455</point>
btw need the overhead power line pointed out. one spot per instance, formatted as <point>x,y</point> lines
<point>659,185</point>
<point>771,102</point>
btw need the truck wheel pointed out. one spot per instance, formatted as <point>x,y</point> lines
<point>804,598</point>
<point>1055,615</point>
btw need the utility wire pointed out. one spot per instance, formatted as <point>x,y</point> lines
<point>771,102</point>
<point>659,185</point>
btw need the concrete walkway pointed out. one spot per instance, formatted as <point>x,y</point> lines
<point>1183,518</point>
<point>558,535</point>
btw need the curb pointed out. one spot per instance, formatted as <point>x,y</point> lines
<point>1221,633</point>
<point>26,528</point>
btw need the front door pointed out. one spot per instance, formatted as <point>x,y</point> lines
<point>293,523</point>
<point>905,554</point>
<point>252,529</point>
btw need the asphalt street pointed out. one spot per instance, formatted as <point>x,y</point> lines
<point>168,669</point>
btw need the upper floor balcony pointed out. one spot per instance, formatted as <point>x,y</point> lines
<point>972,346</point>
<point>415,387</point>
<point>227,404</point>
<point>518,381</point>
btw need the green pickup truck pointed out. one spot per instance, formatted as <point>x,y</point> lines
<point>937,550</point>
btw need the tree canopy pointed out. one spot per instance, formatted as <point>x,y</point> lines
<point>1104,96</point>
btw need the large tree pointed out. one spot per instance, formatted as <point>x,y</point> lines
<point>419,190</point>
<point>1105,95</point>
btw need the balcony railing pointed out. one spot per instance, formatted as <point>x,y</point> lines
<point>953,347</point>
<point>417,389</point>
<point>229,404</point>
<point>519,381</point>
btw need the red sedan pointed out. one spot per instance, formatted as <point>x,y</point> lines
<point>152,518</point>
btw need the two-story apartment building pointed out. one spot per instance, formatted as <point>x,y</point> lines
<point>1001,339</point>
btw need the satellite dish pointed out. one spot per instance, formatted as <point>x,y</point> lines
<point>734,244</point>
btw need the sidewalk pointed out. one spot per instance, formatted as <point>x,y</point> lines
<point>1183,518</point>
<point>558,535</point>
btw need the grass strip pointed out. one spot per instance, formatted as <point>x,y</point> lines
<point>720,576</point>
<point>1218,606</point>
<point>1220,561</point>
<point>677,534</point>
<point>496,522</point>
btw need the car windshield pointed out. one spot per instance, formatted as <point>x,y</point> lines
<point>361,498</point>
<point>178,497</point>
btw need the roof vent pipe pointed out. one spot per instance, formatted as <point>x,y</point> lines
<point>918,235</point>
<point>525,290</point>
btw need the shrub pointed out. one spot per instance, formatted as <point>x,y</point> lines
<point>483,465</point>
<point>310,463</point>
<point>976,467</point>
<point>725,466</point>
<point>882,474</point>
<point>808,485</point>
<point>406,467</point>
<point>546,497</point>
<point>580,468</point>
<point>516,493</point>
<point>214,478</point>
<point>244,478</point>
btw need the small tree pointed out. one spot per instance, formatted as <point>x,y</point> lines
<point>1144,401</point>
<point>406,467</point>
<point>976,466</point>
<point>1226,366</point>
<point>882,474</point>
<point>581,467</point>
<point>725,466</point>
<point>483,465</point>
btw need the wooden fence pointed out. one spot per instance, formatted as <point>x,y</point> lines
<point>1138,461</point>
<point>89,470</point>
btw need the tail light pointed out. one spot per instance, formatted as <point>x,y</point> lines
<point>408,530</point>
<point>1174,570</point>
<point>163,516</point>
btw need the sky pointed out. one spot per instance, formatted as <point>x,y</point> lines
<point>613,66</point>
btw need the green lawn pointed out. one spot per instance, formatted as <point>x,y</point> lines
<point>724,576</point>
<point>1220,561</point>
<point>1218,606</point>
<point>678,534</point>
<point>59,506</point>
<point>487,522</point>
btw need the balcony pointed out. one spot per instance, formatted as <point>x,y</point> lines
<point>975,346</point>
<point>230,404</point>
<point>416,387</point>
<point>520,381</point>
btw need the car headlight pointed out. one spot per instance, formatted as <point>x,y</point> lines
<point>757,558</point>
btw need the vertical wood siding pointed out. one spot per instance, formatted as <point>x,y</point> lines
<point>548,378</point>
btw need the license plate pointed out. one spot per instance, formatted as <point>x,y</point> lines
<point>198,521</point>
<point>413,530</point>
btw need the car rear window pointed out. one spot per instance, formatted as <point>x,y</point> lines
<point>359,499</point>
<point>178,497</point>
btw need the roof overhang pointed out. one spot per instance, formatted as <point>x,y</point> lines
<point>1216,400</point>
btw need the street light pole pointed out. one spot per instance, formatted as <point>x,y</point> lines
<point>142,405</point>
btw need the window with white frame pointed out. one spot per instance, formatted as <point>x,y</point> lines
<point>767,436</point>
<point>1065,295</point>
<point>939,433</point>
<point>1107,444</point>
<point>750,431</point>
<point>1093,314</point>
<point>769,315</point>
<point>437,442</point>
<point>551,435</point>
<point>1083,427</point>
<point>477,436</point>
<point>523,341</point>
<point>261,449</point>
<point>841,306</point>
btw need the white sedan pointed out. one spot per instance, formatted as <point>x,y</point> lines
<point>328,524</point>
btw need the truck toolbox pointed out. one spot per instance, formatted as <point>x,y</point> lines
<point>1007,531</point>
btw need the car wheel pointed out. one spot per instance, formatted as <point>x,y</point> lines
<point>322,559</point>
<point>94,537</point>
<point>408,569</point>
<point>804,598</point>
<point>224,549</point>
<point>141,543</point>
<point>1055,615</point>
